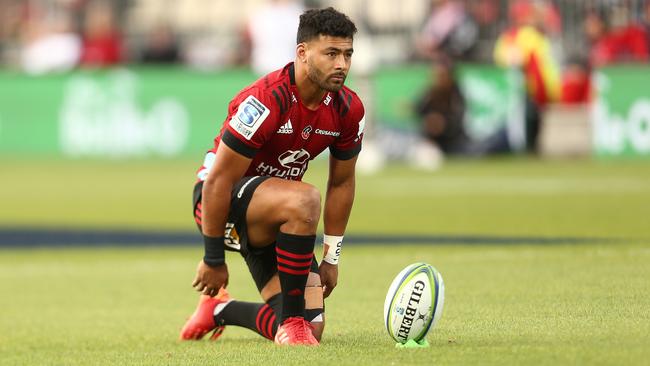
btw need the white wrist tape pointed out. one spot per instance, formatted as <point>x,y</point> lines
<point>332,248</point>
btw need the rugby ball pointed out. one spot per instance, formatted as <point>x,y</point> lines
<point>414,302</point>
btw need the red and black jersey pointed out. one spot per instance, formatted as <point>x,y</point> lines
<point>268,123</point>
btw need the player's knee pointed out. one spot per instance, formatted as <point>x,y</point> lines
<point>305,205</point>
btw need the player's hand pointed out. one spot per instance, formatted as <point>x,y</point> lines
<point>210,279</point>
<point>329,275</point>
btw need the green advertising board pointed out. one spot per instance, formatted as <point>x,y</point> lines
<point>621,111</point>
<point>395,90</point>
<point>495,102</point>
<point>494,99</point>
<point>168,112</point>
<point>115,113</point>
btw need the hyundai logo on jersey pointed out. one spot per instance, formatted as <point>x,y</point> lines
<point>293,157</point>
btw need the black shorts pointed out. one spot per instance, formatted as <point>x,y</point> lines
<point>261,262</point>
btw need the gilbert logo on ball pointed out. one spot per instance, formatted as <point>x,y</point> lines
<point>414,302</point>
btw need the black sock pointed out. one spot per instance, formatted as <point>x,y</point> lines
<point>269,318</point>
<point>294,255</point>
<point>258,317</point>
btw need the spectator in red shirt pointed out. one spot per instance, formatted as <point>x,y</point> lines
<point>613,39</point>
<point>547,16</point>
<point>102,45</point>
<point>576,82</point>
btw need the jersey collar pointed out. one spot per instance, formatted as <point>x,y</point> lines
<point>292,74</point>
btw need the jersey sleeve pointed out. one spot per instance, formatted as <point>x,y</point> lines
<point>251,122</point>
<point>348,145</point>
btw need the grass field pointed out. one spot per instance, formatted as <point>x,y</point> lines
<point>509,304</point>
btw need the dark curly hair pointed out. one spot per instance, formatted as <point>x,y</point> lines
<point>327,22</point>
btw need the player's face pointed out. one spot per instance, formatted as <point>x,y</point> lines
<point>328,61</point>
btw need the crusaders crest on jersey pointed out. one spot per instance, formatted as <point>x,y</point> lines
<point>305,132</point>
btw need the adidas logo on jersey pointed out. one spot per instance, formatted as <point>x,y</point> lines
<point>286,128</point>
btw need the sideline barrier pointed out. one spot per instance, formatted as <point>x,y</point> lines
<point>115,113</point>
<point>39,237</point>
<point>144,112</point>
<point>621,111</point>
<point>494,99</point>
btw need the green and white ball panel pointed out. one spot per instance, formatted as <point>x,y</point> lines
<point>414,302</point>
<point>440,301</point>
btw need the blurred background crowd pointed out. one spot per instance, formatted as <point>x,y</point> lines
<point>555,43</point>
<point>50,35</point>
